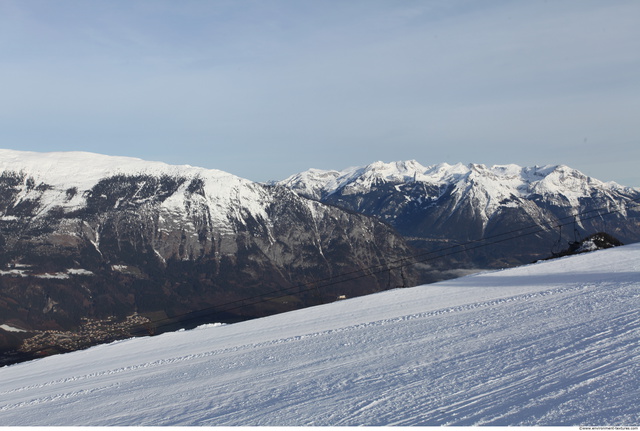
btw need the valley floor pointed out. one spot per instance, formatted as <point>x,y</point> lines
<point>555,343</point>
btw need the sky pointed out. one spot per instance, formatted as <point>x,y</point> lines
<point>264,89</point>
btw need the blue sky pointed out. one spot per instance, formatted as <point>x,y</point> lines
<point>267,88</point>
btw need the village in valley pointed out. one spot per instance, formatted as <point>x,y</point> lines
<point>90,333</point>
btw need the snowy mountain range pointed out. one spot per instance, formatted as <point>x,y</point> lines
<point>556,343</point>
<point>85,236</point>
<point>95,248</point>
<point>443,204</point>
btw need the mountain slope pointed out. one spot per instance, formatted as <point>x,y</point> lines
<point>440,205</point>
<point>555,343</point>
<point>85,236</point>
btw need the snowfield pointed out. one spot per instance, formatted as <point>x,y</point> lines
<point>554,343</point>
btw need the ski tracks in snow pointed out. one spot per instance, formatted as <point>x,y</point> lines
<point>359,326</point>
<point>565,354</point>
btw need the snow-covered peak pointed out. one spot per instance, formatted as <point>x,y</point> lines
<point>317,183</point>
<point>403,170</point>
<point>63,171</point>
<point>496,182</point>
<point>310,183</point>
<point>83,169</point>
<point>394,172</point>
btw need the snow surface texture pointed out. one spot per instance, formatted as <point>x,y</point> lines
<point>555,343</point>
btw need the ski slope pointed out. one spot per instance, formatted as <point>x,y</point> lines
<point>554,343</point>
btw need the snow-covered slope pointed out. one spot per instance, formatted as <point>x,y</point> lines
<point>555,343</point>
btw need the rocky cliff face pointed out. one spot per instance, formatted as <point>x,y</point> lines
<point>84,236</point>
<point>443,205</point>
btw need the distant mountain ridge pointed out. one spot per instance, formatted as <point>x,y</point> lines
<point>498,181</point>
<point>86,236</point>
<point>440,204</point>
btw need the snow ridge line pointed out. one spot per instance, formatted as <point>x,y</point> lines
<point>399,319</point>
